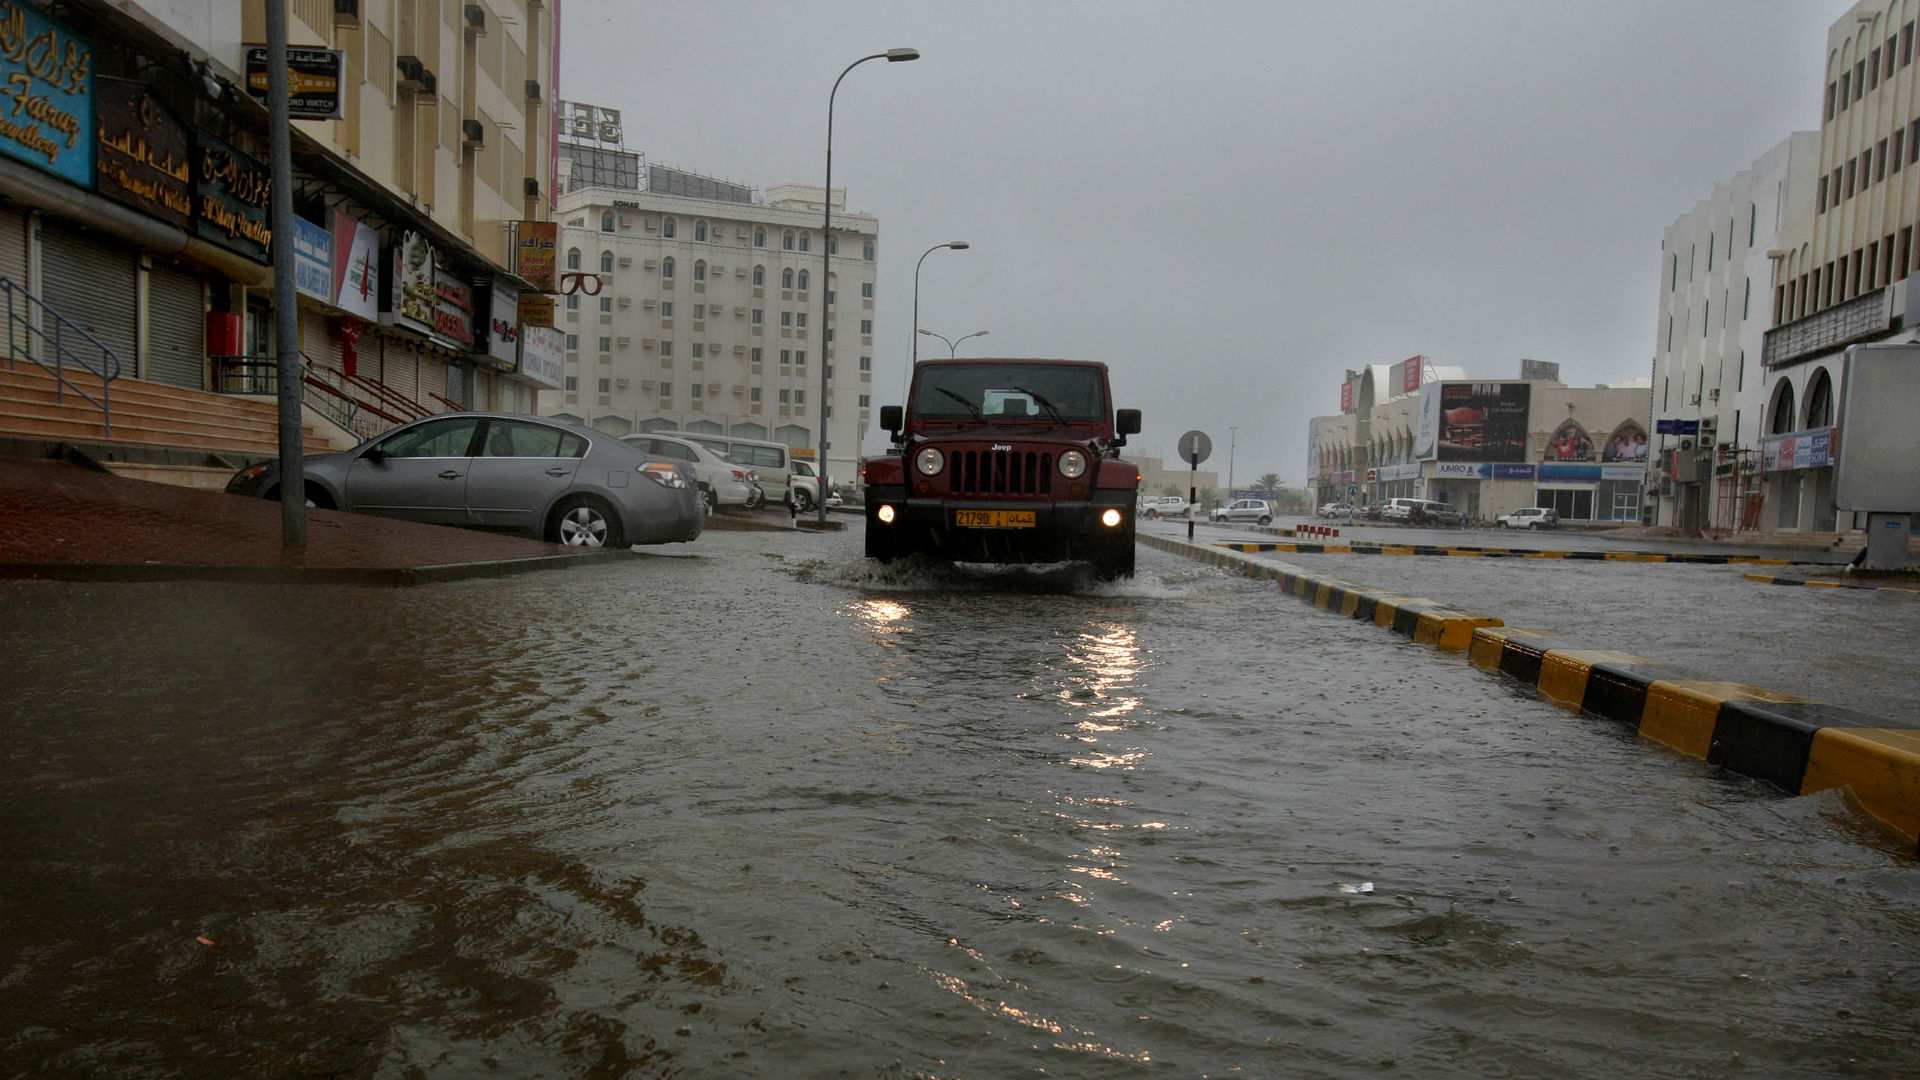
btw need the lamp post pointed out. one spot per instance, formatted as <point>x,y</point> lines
<point>953,344</point>
<point>286,317</point>
<point>891,56</point>
<point>956,245</point>
<point>1233,437</point>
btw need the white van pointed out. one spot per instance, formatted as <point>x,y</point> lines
<point>771,461</point>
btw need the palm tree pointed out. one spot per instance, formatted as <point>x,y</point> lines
<point>1270,484</point>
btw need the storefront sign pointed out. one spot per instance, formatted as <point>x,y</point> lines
<point>1799,450</point>
<point>1670,426</point>
<point>1623,472</point>
<point>1547,370</point>
<point>46,81</point>
<point>501,325</point>
<point>1410,373</point>
<point>312,260</point>
<point>408,273</point>
<point>355,266</point>
<point>313,81</point>
<point>538,241</point>
<point>543,356</point>
<point>1346,397</point>
<point>1405,471</point>
<point>232,192</point>
<point>1566,474</point>
<point>1513,472</point>
<point>452,309</point>
<point>536,309</point>
<point>1484,421</point>
<point>143,158</point>
<point>1460,470</point>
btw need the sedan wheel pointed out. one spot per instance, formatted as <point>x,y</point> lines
<point>802,500</point>
<point>583,523</point>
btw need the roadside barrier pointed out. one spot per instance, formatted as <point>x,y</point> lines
<point>1306,530</point>
<point>1797,745</point>
<point>1462,552</point>
<point>1768,579</point>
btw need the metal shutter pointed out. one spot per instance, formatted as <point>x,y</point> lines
<point>433,379</point>
<point>176,328</point>
<point>13,252</point>
<point>400,367</point>
<point>92,283</point>
<point>318,343</point>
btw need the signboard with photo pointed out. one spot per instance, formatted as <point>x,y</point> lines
<point>1569,442</point>
<point>233,190</point>
<point>355,264</point>
<point>1627,443</point>
<point>407,270</point>
<point>48,73</point>
<point>1483,421</point>
<point>143,158</point>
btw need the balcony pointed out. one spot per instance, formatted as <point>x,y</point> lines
<point>1824,331</point>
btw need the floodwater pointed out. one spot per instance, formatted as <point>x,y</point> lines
<point>759,809</point>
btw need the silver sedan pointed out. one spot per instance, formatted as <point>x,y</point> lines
<point>559,481</point>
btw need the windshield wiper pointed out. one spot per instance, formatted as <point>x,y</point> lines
<point>971,407</point>
<point>1058,416</point>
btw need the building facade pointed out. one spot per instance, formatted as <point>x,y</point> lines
<point>1714,309</point>
<point>1842,271</point>
<point>1485,446</point>
<point>706,317</point>
<point>148,226</point>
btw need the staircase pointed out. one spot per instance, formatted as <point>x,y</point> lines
<point>35,406</point>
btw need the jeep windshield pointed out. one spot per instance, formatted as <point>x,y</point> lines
<point>996,392</point>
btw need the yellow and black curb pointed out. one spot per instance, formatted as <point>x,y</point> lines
<point>1797,745</point>
<point>1460,552</point>
<point>1769,579</point>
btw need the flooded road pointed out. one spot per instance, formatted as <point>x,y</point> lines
<point>760,809</point>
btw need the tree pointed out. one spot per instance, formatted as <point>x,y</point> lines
<point>1209,498</point>
<point>1269,484</point>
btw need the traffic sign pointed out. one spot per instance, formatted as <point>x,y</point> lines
<point>1195,448</point>
<point>1353,489</point>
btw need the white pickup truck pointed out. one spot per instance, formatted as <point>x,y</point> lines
<point>1159,506</point>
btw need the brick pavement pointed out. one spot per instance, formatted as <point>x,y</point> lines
<point>61,520</point>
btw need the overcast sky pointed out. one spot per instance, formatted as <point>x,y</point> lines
<point>1233,203</point>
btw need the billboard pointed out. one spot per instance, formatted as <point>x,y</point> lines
<point>356,267</point>
<point>1628,443</point>
<point>1429,429</point>
<point>408,269</point>
<point>1483,421</point>
<point>1540,369</point>
<point>314,77</point>
<point>312,261</point>
<point>1410,373</point>
<point>1346,396</point>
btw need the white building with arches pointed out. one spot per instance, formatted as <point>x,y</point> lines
<point>1841,273</point>
<point>707,313</point>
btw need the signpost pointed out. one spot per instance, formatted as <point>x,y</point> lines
<point>1195,447</point>
<point>1353,492</point>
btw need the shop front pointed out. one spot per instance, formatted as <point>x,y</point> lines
<point>1581,491</point>
<point>1798,467</point>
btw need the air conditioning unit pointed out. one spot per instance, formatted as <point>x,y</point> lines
<point>739,350</point>
<point>346,12</point>
<point>473,133</point>
<point>647,385</point>
<point>739,390</point>
<point>649,303</point>
<point>1686,444</point>
<point>647,344</point>
<point>651,225</point>
<point>626,222</point>
<point>1714,394</point>
<point>476,20</point>
<point>429,85</point>
<point>530,187</point>
<point>713,388</point>
<point>625,260</point>
<point>533,89</point>
<point>411,69</point>
<point>739,271</point>
<point>619,384</point>
<point>650,265</point>
<point>740,311</point>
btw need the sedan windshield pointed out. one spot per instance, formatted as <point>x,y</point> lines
<point>1009,392</point>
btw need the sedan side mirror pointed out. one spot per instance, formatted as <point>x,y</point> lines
<point>892,420</point>
<point>374,455</point>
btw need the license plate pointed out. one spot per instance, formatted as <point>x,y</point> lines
<point>993,519</point>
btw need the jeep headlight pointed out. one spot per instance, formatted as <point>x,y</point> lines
<point>1073,464</point>
<point>930,461</point>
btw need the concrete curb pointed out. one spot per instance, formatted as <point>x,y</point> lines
<point>1769,579</point>
<point>1465,552</point>
<point>1798,746</point>
<point>396,576</point>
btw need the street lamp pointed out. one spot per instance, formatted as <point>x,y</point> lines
<point>891,56</point>
<point>1233,437</point>
<point>953,344</point>
<point>956,245</point>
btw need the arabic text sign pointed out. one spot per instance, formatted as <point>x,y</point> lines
<point>538,241</point>
<point>313,81</point>
<point>143,158</point>
<point>452,309</point>
<point>46,94</point>
<point>233,190</point>
<point>543,356</point>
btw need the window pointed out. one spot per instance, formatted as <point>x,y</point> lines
<point>606,304</point>
<point>786,356</point>
<point>1836,186</point>
<point>1866,168</point>
<point>866,326</point>
<point>786,278</point>
<point>1753,221</point>
<point>832,299</point>
<point>573,342</point>
<point>806,241</point>
<point>1906,249</point>
<point>700,231</point>
<point>667,227</point>
<point>759,315</point>
<point>606,262</point>
<point>1846,84</point>
<point>1906,45</point>
<point>799,318</point>
<point>1830,90</point>
<point>700,310</point>
<point>866,290</point>
<point>753,395</point>
<point>756,354</point>
<point>606,385</point>
<point>666,267</point>
<point>573,384</point>
<point>1706,319</point>
<point>666,349</point>
<point>1888,52</point>
<point>698,391</point>
<point>1820,201</point>
<point>666,309</point>
<point>865,400</point>
<point>1746,302</point>
<point>803,279</point>
<point>1713,244</point>
<point>800,358</point>
<point>573,301</point>
<point>1669,333</point>
<point>759,276</point>
<point>573,258</point>
<point>1674,283</point>
<point>514,438</point>
<point>829,335</point>
<point>866,363</point>
<point>799,397</point>
<point>1880,163</point>
<point>1898,148</point>
<point>1873,69</point>
<point>1739,381</point>
<point>606,225</point>
<point>833,245</point>
<point>786,318</point>
<point>759,240</point>
<point>606,344</point>
<point>1852,168</point>
<point>666,391</point>
<point>786,240</point>
<point>699,350</point>
<point>1859,79</point>
<point>700,270</point>
<point>1913,142</point>
<point>786,397</point>
<point>867,251</point>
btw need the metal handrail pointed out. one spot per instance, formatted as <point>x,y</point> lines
<point>108,371</point>
<point>261,375</point>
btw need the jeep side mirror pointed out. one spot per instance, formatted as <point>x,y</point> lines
<point>891,420</point>
<point>1126,422</point>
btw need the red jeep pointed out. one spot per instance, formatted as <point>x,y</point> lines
<point>1006,461</point>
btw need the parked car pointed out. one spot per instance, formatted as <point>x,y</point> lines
<point>1530,517</point>
<point>1420,512</point>
<point>1159,506</point>
<point>1255,510</point>
<point>771,462</point>
<point>803,486</point>
<point>722,483</point>
<point>1334,510</point>
<point>532,475</point>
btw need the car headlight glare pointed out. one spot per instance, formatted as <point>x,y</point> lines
<point>885,514</point>
<point>1110,517</point>
<point>1073,464</point>
<point>930,461</point>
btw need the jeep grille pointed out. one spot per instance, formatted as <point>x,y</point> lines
<point>990,472</point>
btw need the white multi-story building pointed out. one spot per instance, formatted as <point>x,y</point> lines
<point>707,317</point>
<point>1714,308</point>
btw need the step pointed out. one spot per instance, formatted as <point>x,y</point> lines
<point>38,400</point>
<point>129,394</point>
<point>198,477</point>
<point>91,430</point>
<point>135,417</point>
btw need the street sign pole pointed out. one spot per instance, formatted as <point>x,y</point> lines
<point>1195,447</point>
<point>286,318</point>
